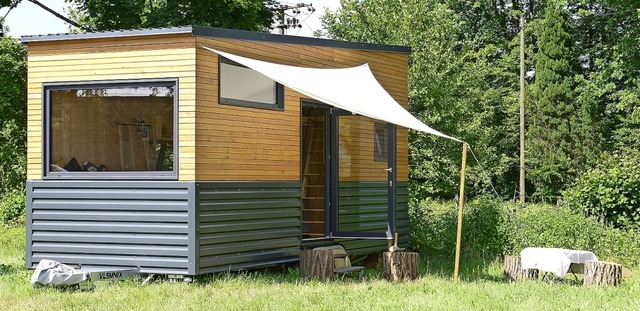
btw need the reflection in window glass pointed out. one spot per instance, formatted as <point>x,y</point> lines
<point>381,142</point>
<point>113,128</point>
<point>243,86</point>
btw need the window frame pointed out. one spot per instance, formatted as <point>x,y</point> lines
<point>381,157</point>
<point>47,89</point>
<point>278,89</point>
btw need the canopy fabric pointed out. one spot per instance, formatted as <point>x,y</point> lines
<point>353,89</point>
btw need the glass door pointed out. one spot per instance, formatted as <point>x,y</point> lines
<point>362,177</point>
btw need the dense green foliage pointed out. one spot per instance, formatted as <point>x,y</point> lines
<point>455,85</point>
<point>13,114</point>
<point>133,14</point>
<point>434,227</point>
<point>12,209</point>
<point>554,141</point>
<point>549,226</point>
<point>582,85</point>
<point>492,229</point>
<point>610,191</point>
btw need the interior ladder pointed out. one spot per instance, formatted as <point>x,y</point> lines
<point>313,182</point>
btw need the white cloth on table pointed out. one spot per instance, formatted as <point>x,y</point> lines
<point>554,260</point>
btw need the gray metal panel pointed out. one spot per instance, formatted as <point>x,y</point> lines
<point>109,237</point>
<point>247,224</point>
<point>141,224</point>
<point>110,205</point>
<point>402,213</point>
<point>194,221</point>
<point>364,206</point>
<point>362,194</point>
<point>29,221</point>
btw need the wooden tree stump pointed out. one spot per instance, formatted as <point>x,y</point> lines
<point>513,270</point>
<point>318,264</point>
<point>602,273</point>
<point>399,266</point>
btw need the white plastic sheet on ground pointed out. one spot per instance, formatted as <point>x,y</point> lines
<point>54,273</point>
<point>353,89</point>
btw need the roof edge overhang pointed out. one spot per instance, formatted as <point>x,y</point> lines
<point>211,32</point>
<point>107,34</point>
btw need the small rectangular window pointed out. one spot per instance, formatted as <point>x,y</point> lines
<point>242,86</point>
<point>111,130</point>
<point>381,142</point>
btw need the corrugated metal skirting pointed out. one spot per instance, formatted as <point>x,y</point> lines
<point>247,224</point>
<point>369,198</point>
<point>141,224</point>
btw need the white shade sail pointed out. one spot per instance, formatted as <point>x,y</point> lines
<point>353,89</point>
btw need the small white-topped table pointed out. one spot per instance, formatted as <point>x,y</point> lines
<point>558,261</point>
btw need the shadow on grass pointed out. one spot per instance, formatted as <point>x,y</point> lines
<point>470,270</point>
<point>436,266</point>
<point>8,269</point>
<point>473,270</point>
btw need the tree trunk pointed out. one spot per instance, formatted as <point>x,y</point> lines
<point>602,273</point>
<point>400,266</point>
<point>513,270</point>
<point>318,264</point>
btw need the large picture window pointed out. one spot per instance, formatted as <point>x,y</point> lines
<point>111,130</point>
<point>244,86</point>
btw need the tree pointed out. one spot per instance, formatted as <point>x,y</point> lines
<point>13,114</point>
<point>461,81</point>
<point>103,15</point>
<point>555,139</point>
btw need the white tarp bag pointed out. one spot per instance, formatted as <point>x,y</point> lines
<point>54,273</point>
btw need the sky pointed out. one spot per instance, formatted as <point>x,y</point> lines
<point>29,19</point>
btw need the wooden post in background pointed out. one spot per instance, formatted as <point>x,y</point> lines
<point>522,192</point>
<point>460,205</point>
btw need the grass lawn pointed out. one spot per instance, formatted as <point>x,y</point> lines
<point>481,288</point>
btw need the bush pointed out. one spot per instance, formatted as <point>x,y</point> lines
<point>610,192</point>
<point>434,228</point>
<point>492,229</point>
<point>12,209</point>
<point>550,226</point>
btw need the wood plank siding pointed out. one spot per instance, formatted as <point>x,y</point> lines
<point>215,142</point>
<point>119,58</point>
<point>240,143</point>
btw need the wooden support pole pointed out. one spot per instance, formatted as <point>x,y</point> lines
<point>522,192</point>
<point>460,205</point>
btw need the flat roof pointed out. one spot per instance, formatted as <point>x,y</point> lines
<point>211,32</point>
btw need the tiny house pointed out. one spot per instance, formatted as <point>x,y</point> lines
<point>148,149</point>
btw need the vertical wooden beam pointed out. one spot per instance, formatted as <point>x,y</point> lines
<point>522,191</point>
<point>460,205</point>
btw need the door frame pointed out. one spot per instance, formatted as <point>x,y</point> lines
<point>327,157</point>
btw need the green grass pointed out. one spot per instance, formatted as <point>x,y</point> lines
<point>481,288</point>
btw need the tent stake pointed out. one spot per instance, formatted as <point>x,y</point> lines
<point>460,204</point>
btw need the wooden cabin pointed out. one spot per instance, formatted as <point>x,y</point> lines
<point>147,150</point>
